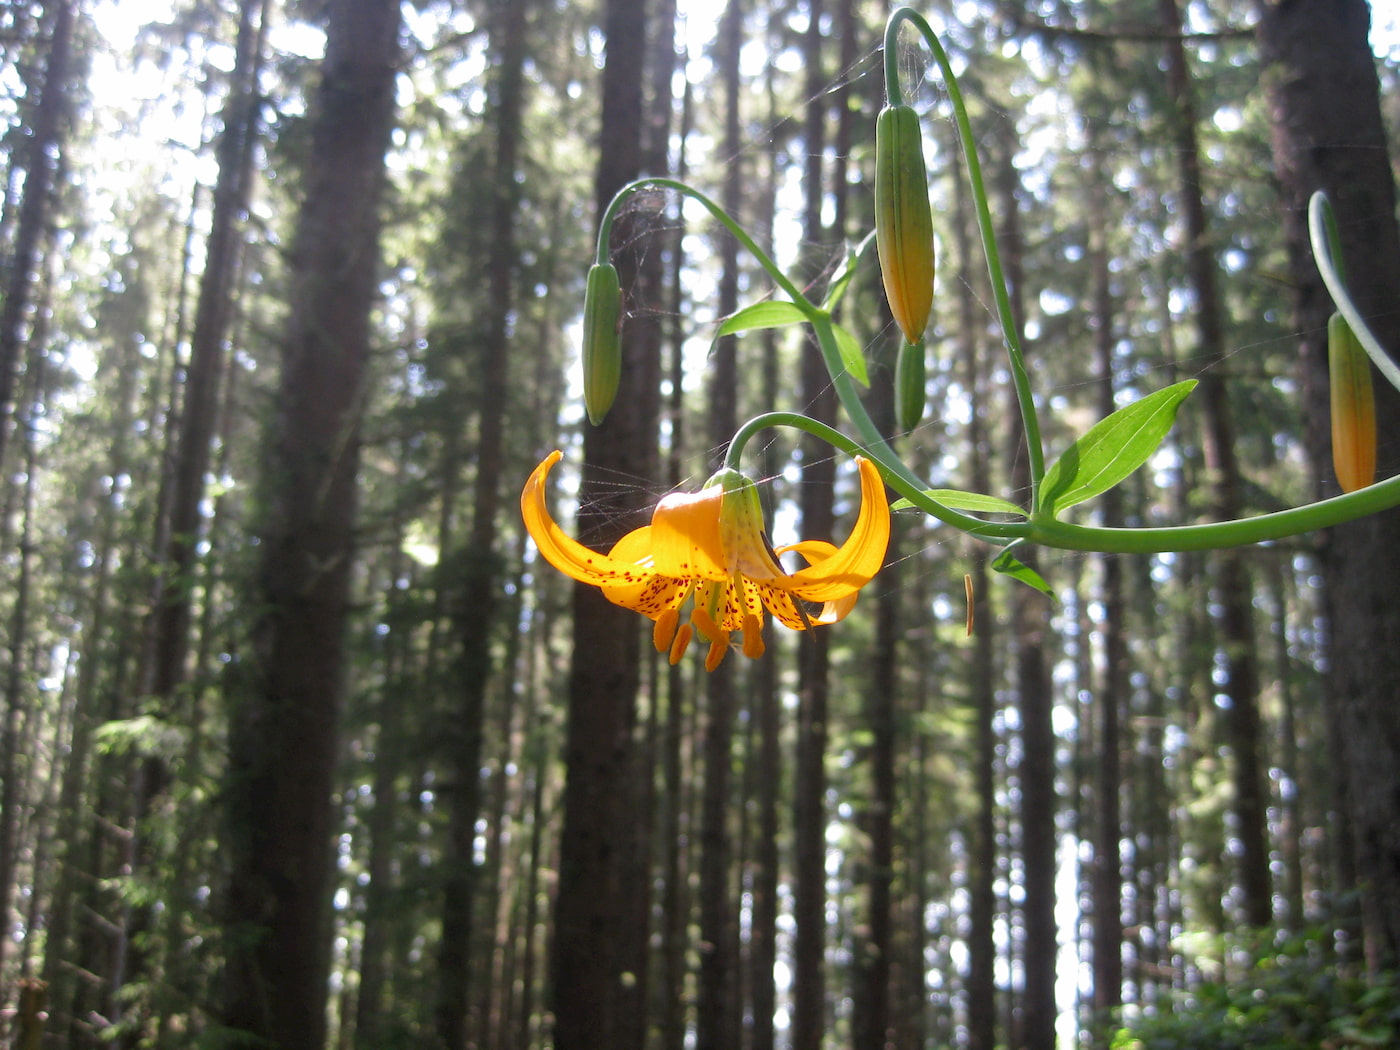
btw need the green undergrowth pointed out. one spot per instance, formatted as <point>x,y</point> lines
<point>1289,996</point>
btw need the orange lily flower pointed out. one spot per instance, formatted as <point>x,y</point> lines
<point>709,548</point>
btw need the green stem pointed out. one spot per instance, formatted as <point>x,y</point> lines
<point>1214,535</point>
<point>740,234</point>
<point>1010,331</point>
<point>1322,230</point>
<point>1064,535</point>
<point>896,474</point>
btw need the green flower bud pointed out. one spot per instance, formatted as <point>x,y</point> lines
<point>903,221</point>
<point>1353,407</point>
<point>602,345</point>
<point>910,371</point>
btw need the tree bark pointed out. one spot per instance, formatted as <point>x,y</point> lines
<point>13,786</point>
<point>603,676</point>
<point>872,1023</point>
<point>474,607</point>
<point>283,735</point>
<point>982,875</point>
<point>818,477</point>
<point>763,938</point>
<point>41,170</point>
<point>1234,589</point>
<point>203,375</point>
<point>1039,798</point>
<point>1107,879</point>
<point>1328,135</point>
<point>716,1022</point>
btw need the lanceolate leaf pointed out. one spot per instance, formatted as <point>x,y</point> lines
<point>851,354</point>
<point>841,279</point>
<point>971,502</point>
<point>1007,564</point>
<point>771,313</point>
<point>1111,450</point>
<point>776,313</point>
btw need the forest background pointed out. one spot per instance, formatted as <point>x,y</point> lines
<point>303,747</point>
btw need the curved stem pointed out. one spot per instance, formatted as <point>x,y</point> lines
<point>1010,332</point>
<point>1066,536</point>
<point>1212,536</point>
<point>893,93</point>
<point>1322,228</point>
<point>895,473</point>
<point>740,234</point>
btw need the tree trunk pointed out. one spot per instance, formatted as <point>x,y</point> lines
<point>1233,586</point>
<point>166,651</point>
<point>872,1022</point>
<point>1328,135</point>
<point>716,1022</point>
<point>818,477</point>
<point>283,735</point>
<point>11,791</point>
<point>213,312</point>
<point>1029,622</point>
<point>766,701</point>
<point>1107,877</point>
<point>982,874</point>
<point>389,759</point>
<point>41,169</point>
<point>474,609</point>
<point>603,677</point>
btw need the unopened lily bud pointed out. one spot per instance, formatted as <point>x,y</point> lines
<point>903,221</point>
<point>910,372</point>
<point>602,345</point>
<point>1353,407</point>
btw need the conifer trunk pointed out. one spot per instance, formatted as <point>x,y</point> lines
<point>1234,589</point>
<point>818,476</point>
<point>982,875</point>
<point>40,171</point>
<point>474,611</point>
<point>1107,877</point>
<point>716,1022</point>
<point>1328,135</point>
<point>1029,622</point>
<point>603,677</point>
<point>13,785</point>
<point>283,723</point>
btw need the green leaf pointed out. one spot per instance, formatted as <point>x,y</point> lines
<point>771,313</point>
<point>841,279</point>
<point>1006,564</point>
<point>1111,450</point>
<point>775,313</point>
<point>852,356</point>
<point>971,502</point>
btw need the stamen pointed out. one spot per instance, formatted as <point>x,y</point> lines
<point>664,633</point>
<point>716,654</point>
<point>753,636</point>
<point>705,624</point>
<point>682,642</point>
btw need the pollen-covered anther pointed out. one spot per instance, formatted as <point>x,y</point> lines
<point>663,633</point>
<point>753,636</point>
<point>680,643</point>
<point>716,654</point>
<point>705,624</point>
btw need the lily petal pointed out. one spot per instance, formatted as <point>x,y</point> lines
<point>685,535</point>
<point>563,551</point>
<point>857,560</point>
<point>832,611</point>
